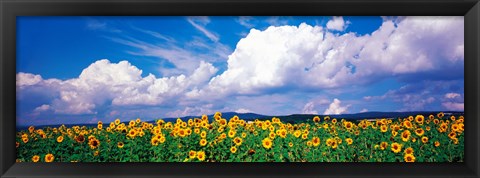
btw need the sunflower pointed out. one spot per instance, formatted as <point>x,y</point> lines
<point>383,128</point>
<point>17,144</point>
<point>162,139</point>
<point>231,133</point>
<point>304,136</point>
<point>443,127</point>
<point>406,135</point>
<point>132,133</point>
<point>452,118</point>
<point>452,134</point>
<point>409,150</point>
<point>290,144</point>
<point>334,144</point>
<point>455,127</point>
<point>316,119</point>
<point>192,154</point>
<point>35,158</point>
<point>357,132</point>
<point>49,158</point>
<point>80,138</point>
<point>348,125</point>
<point>25,139</point>
<point>117,121</point>
<point>201,155</point>
<point>409,158</point>
<point>182,132</point>
<point>437,143</point>
<point>31,129</point>
<point>427,128</point>
<point>309,143</point>
<point>396,147</point>
<point>100,126</point>
<point>394,133</point>
<point>120,144</point>
<point>203,134</point>
<point>431,117</point>
<point>440,114</point>
<point>233,149</point>
<point>223,136</point>
<point>349,141</point>
<point>334,120</point>
<point>203,142</point>
<point>238,141</point>
<point>60,139</point>
<point>154,141</point>
<point>297,133</point>
<point>383,145</point>
<point>267,143</point>
<point>316,141</point>
<point>94,143</point>
<point>455,140</point>
<point>419,131</point>
<point>329,142</point>
<point>283,133</point>
<point>244,135</point>
<point>424,139</point>
<point>131,123</point>
<point>407,124</point>
<point>272,135</point>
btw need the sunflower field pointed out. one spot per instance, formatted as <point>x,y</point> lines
<point>433,138</point>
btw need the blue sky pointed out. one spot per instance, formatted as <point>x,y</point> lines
<point>85,69</point>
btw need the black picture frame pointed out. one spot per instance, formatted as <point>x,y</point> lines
<point>10,9</point>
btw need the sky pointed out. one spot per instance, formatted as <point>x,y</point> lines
<point>84,69</point>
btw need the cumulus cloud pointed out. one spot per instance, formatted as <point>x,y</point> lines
<point>243,110</point>
<point>313,58</point>
<point>44,107</point>
<point>192,111</point>
<point>452,95</point>
<point>336,108</point>
<point>26,79</point>
<point>309,108</point>
<point>118,84</point>
<point>453,106</point>
<point>364,110</point>
<point>453,101</point>
<point>337,23</point>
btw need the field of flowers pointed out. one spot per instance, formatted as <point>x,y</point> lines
<point>414,139</point>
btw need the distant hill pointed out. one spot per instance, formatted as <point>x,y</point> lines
<point>294,118</point>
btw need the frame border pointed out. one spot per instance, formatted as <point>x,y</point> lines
<point>9,9</point>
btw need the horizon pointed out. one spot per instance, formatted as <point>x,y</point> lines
<point>85,69</point>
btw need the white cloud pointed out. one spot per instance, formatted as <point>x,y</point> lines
<point>245,21</point>
<point>452,95</point>
<point>336,108</point>
<point>26,79</point>
<point>337,23</point>
<point>277,20</point>
<point>185,58</point>
<point>453,106</point>
<point>313,58</point>
<point>309,108</point>
<point>199,23</point>
<point>243,110</point>
<point>364,110</point>
<point>119,83</point>
<point>44,107</point>
<point>192,111</point>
